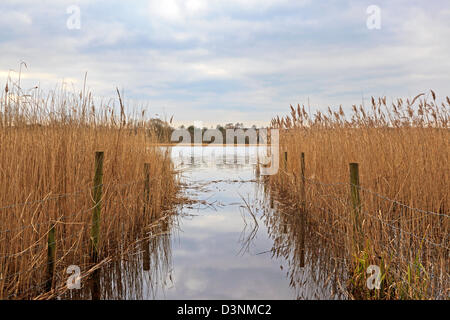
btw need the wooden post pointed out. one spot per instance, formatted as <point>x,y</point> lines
<point>303,180</point>
<point>146,242</point>
<point>146,254</point>
<point>51,257</point>
<point>285,161</point>
<point>303,211</point>
<point>258,169</point>
<point>95,285</point>
<point>394,211</point>
<point>97,197</point>
<point>356,201</point>
<point>146,188</point>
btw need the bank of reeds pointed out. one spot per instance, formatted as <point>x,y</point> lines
<point>403,222</point>
<point>47,149</point>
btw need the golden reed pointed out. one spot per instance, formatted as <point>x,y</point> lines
<point>403,156</point>
<point>48,143</point>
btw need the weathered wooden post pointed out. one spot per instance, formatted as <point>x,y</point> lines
<point>146,254</point>
<point>97,198</point>
<point>303,211</point>
<point>285,161</point>
<point>257,168</point>
<point>303,181</point>
<point>394,211</point>
<point>95,285</point>
<point>51,257</point>
<point>146,188</point>
<point>146,242</point>
<point>356,201</point>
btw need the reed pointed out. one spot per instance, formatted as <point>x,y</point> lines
<point>403,155</point>
<point>48,142</point>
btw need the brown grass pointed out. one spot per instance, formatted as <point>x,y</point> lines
<point>47,144</point>
<point>403,155</point>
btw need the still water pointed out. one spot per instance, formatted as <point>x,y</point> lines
<point>211,258</point>
<point>231,240</point>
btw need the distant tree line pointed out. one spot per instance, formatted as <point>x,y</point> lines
<point>237,126</point>
<point>163,131</point>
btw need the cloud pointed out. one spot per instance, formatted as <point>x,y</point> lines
<point>13,23</point>
<point>232,61</point>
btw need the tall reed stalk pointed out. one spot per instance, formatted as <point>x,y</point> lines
<point>403,156</point>
<point>47,147</point>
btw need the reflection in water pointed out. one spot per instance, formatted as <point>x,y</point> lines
<point>208,257</point>
<point>136,275</point>
<point>234,240</point>
<point>316,267</point>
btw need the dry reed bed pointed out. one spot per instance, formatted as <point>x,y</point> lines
<point>47,144</point>
<point>320,272</point>
<point>403,156</point>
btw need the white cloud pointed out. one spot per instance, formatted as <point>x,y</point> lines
<point>178,11</point>
<point>194,7</point>
<point>230,61</point>
<point>101,33</point>
<point>167,9</point>
<point>15,20</point>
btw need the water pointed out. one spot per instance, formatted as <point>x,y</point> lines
<point>210,256</point>
<point>230,241</point>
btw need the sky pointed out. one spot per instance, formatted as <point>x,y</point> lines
<point>230,61</point>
